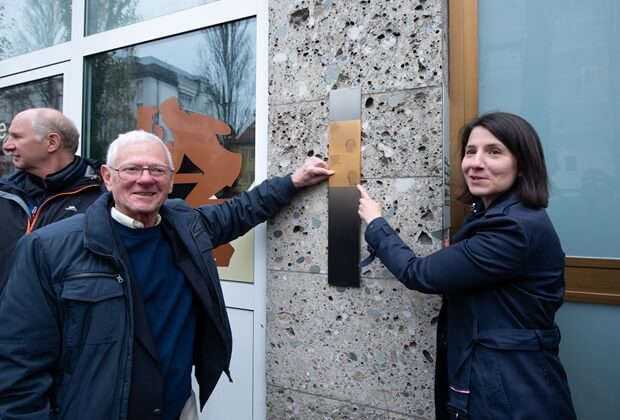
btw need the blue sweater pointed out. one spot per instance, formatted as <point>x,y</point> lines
<point>168,301</point>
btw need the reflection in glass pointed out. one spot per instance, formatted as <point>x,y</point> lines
<point>565,81</point>
<point>44,93</point>
<point>215,87</point>
<point>33,24</point>
<point>103,15</point>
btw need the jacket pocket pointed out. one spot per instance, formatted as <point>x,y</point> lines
<point>488,396</point>
<point>94,306</point>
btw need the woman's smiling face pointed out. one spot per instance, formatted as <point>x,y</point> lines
<point>489,168</point>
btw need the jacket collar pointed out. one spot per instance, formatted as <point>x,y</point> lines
<point>98,223</point>
<point>498,206</point>
<point>178,214</point>
<point>128,221</point>
<point>98,227</point>
<point>79,172</point>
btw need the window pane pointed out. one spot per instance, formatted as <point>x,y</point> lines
<point>103,15</point>
<point>196,91</point>
<point>44,93</point>
<point>29,25</point>
<point>559,67</point>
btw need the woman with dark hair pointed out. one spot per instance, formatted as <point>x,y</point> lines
<point>502,280</point>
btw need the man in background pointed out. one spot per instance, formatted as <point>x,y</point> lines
<point>51,182</point>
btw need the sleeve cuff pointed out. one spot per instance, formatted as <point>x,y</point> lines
<point>288,183</point>
<point>375,231</point>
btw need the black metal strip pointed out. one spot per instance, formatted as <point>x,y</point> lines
<point>343,200</point>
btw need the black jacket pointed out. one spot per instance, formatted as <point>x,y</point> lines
<point>67,347</point>
<point>503,282</point>
<point>28,203</point>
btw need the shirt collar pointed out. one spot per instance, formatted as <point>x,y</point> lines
<point>125,220</point>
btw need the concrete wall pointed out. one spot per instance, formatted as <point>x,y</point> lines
<point>367,353</point>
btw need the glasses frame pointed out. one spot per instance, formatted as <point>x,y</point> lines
<point>142,169</point>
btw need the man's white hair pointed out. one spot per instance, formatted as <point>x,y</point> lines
<point>131,137</point>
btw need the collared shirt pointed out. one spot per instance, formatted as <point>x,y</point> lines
<point>125,220</point>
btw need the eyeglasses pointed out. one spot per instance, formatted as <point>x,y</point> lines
<point>133,172</point>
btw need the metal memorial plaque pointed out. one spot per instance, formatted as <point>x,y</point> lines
<point>343,201</point>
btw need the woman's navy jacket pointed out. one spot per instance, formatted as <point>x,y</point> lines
<point>67,347</point>
<point>503,281</point>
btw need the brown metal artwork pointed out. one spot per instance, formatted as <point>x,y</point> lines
<point>202,165</point>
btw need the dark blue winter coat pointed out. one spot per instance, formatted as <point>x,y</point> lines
<point>67,313</point>
<point>503,281</point>
<point>28,203</point>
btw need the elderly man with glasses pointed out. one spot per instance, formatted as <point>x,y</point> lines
<point>105,313</point>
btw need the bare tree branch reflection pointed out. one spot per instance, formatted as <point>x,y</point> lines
<point>111,93</point>
<point>104,15</point>
<point>6,49</point>
<point>41,93</point>
<point>226,66</point>
<point>42,24</point>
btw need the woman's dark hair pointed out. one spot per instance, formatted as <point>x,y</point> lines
<point>518,135</point>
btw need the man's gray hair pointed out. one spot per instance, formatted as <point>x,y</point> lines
<point>132,137</point>
<point>47,120</point>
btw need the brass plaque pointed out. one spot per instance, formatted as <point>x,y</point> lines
<point>345,152</point>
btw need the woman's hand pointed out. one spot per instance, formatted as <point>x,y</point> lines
<point>369,209</point>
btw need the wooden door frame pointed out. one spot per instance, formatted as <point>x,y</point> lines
<point>593,280</point>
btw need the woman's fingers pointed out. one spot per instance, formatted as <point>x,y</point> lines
<point>362,191</point>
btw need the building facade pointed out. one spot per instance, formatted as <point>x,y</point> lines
<point>251,78</point>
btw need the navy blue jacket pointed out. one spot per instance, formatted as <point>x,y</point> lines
<point>67,343</point>
<point>503,281</point>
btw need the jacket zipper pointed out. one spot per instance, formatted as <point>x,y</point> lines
<point>32,220</point>
<point>117,277</point>
<point>117,402</point>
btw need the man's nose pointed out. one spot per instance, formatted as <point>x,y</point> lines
<point>145,176</point>
<point>7,144</point>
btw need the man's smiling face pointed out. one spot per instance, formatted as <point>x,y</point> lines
<point>141,198</point>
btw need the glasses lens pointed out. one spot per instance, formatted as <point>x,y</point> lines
<point>129,173</point>
<point>133,172</point>
<point>158,171</point>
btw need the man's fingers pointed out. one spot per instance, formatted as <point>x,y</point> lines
<point>320,163</point>
<point>321,172</point>
<point>316,162</point>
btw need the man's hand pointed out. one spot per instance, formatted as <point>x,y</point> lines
<point>313,171</point>
<point>369,209</point>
